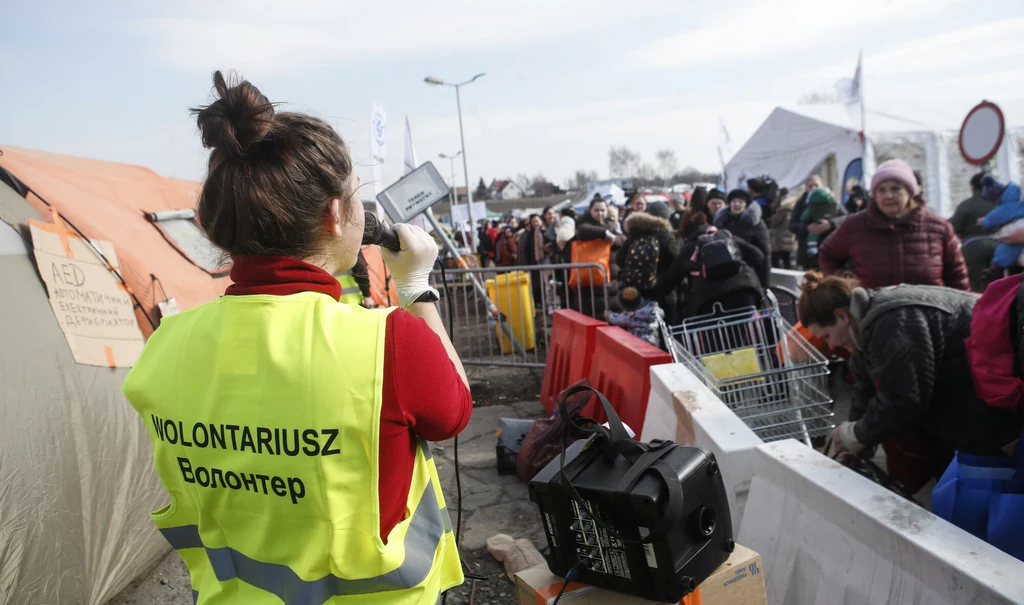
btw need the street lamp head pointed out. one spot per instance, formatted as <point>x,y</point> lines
<point>477,76</point>
<point>433,80</point>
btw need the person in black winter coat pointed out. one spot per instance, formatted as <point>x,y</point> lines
<point>596,224</point>
<point>643,224</point>
<point>742,218</point>
<point>741,290</point>
<point>822,228</point>
<point>912,372</point>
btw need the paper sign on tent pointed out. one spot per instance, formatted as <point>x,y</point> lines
<point>93,309</point>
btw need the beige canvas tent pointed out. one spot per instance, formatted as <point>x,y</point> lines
<point>76,473</point>
<point>76,468</point>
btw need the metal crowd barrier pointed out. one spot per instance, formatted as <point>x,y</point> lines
<point>514,329</point>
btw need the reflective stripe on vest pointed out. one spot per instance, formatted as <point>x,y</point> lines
<point>350,292</point>
<point>429,522</point>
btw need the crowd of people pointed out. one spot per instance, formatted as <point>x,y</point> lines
<point>890,286</point>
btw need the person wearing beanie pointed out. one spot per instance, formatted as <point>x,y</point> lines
<point>819,229</point>
<point>742,218</point>
<point>715,202</point>
<point>659,209</point>
<point>897,240</point>
<point>820,206</point>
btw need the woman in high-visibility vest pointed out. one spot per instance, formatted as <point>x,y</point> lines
<point>288,428</point>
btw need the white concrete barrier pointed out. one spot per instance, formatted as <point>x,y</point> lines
<point>829,536</point>
<point>682,409</point>
<point>786,278</point>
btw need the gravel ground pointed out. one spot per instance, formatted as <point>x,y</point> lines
<point>497,385</point>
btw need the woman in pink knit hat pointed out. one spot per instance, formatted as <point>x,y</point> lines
<point>898,240</point>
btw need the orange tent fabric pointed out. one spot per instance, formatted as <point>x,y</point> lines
<point>107,201</point>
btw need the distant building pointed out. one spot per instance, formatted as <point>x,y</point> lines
<point>504,190</point>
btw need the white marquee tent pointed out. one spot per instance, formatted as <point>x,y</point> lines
<point>793,142</point>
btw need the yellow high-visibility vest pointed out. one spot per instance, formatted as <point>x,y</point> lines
<point>350,293</point>
<point>264,413</point>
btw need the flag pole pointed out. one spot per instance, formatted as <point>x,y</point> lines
<point>863,122</point>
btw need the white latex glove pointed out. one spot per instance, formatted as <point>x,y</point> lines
<point>410,268</point>
<point>844,439</point>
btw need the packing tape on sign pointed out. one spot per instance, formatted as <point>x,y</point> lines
<point>62,232</point>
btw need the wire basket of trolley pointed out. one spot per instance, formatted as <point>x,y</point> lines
<point>760,367</point>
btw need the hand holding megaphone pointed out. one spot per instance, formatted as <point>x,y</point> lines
<point>380,234</point>
<point>409,252</point>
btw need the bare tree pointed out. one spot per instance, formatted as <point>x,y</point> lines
<point>581,178</point>
<point>623,162</point>
<point>666,164</point>
<point>542,187</point>
<point>646,174</point>
<point>523,181</point>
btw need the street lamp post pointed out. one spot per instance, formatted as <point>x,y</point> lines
<point>462,137</point>
<point>451,161</point>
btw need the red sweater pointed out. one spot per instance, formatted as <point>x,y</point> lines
<point>423,393</point>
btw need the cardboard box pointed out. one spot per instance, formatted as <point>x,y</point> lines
<point>737,582</point>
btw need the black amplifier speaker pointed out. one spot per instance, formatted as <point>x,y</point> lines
<point>646,519</point>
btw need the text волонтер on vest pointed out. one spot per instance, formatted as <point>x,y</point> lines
<point>240,438</point>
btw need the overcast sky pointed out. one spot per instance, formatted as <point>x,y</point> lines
<point>566,79</point>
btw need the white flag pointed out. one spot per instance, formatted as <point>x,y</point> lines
<point>724,147</point>
<point>378,150</point>
<point>410,152</point>
<point>849,92</point>
<point>724,142</point>
<point>411,163</point>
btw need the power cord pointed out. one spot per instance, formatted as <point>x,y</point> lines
<point>451,334</point>
<point>458,475</point>
<point>574,572</point>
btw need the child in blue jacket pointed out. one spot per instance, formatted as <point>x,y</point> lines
<point>1010,208</point>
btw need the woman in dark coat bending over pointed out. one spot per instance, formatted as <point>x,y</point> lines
<point>911,373</point>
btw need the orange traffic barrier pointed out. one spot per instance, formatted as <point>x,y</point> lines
<point>569,353</point>
<point>621,370</point>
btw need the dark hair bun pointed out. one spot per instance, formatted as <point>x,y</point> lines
<point>238,120</point>
<point>812,279</point>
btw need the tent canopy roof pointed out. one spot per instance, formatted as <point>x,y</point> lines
<point>902,117</point>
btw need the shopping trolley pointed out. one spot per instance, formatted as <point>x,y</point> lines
<point>760,367</point>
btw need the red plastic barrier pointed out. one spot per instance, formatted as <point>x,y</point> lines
<point>569,353</point>
<point>621,369</point>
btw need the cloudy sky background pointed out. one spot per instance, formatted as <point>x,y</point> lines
<point>566,79</point>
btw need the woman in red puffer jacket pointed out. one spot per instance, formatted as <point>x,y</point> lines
<point>897,240</point>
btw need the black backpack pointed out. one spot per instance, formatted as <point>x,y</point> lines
<point>641,267</point>
<point>717,255</point>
